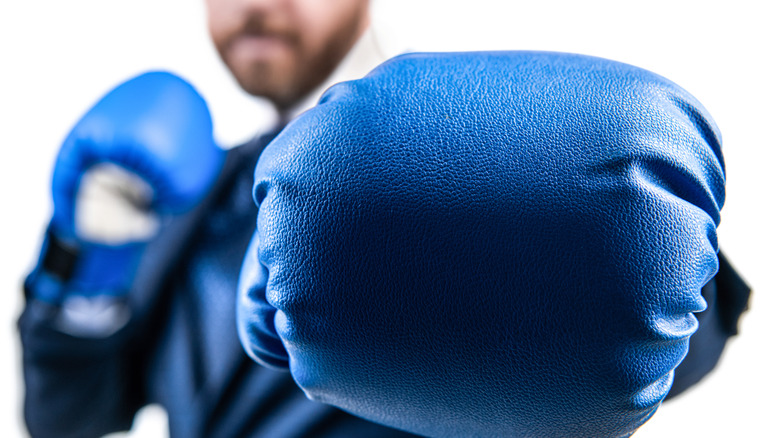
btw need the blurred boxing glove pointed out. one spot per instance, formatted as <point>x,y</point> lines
<point>144,151</point>
<point>497,244</point>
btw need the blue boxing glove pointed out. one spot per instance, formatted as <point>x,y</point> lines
<point>487,244</point>
<point>144,152</point>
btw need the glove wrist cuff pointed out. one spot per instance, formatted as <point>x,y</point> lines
<point>59,256</point>
<point>89,269</point>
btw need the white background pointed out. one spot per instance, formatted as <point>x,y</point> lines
<point>57,57</point>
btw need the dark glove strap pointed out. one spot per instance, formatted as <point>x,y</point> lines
<point>727,297</point>
<point>733,295</point>
<point>59,258</point>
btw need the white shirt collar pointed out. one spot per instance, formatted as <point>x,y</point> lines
<point>361,59</point>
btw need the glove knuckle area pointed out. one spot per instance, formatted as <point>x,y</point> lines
<point>533,227</point>
<point>155,125</point>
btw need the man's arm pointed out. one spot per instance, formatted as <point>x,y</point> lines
<point>126,183</point>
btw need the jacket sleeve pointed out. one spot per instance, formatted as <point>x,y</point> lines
<point>87,383</point>
<point>83,378</point>
<point>75,386</point>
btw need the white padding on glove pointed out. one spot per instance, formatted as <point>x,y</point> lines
<point>92,317</point>
<point>112,207</point>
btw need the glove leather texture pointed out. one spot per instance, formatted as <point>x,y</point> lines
<point>487,244</point>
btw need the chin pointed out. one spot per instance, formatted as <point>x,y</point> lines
<point>262,80</point>
<point>275,94</point>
